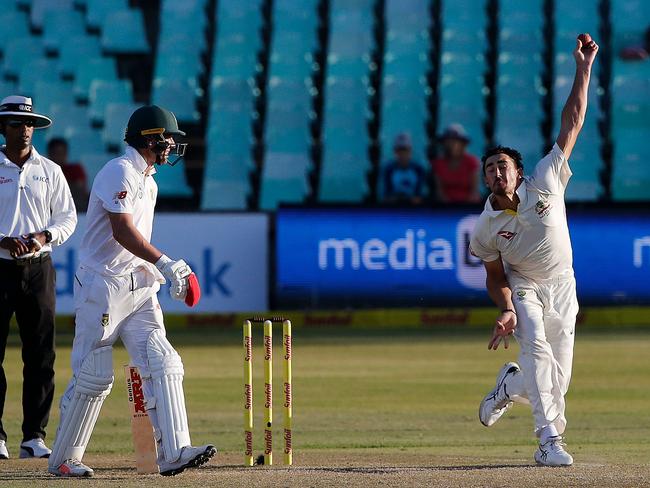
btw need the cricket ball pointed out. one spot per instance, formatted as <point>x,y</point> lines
<point>585,39</point>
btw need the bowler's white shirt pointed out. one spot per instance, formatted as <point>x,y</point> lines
<point>121,186</point>
<point>534,241</point>
<point>33,198</point>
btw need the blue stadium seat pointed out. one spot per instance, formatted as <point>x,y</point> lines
<point>172,65</point>
<point>228,167</point>
<point>77,51</point>
<point>17,50</point>
<point>461,85</point>
<point>90,70</point>
<point>34,71</point>
<point>172,181</point>
<point>225,195</point>
<point>61,25</point>
<point>467,15</point>
<point>116,116</point>
<point>630,20</point>
<point>179,96</point>
<point>404,87</point>
<point>16,26</point>
<point>65,117</point>
<point>103,92</point>
<point>43,12</point>
<point>234,63</point>
<point>123,32</point>
<point>276,191</point>
<point>93,162</point>
<point>82,140</point>
<point>235,16</point>
<point>98,10</point>
<point>7,88</point>
<point>48,93</point>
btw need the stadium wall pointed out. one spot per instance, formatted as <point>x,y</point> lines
<point>358,267</point>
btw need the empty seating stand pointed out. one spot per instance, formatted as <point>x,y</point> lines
<point>228,163</point>
<point>519,86</point>
<point>630,92</point>
<point>345,161</point>
<point>181,44</point>
<point>405,89</point>
<point>586,159</point>
<point>461,85</point>
<point>287,138</point>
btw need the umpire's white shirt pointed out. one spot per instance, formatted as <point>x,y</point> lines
<point>121,186</point>
<point>534,241</point>
<point>34,198</point>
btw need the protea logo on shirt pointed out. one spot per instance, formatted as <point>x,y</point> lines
<point>521,294</point>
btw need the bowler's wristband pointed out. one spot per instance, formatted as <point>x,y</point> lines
<point>508,310</point>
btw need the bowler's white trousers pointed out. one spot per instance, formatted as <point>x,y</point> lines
<point>546,318</point>
<point>110,307</point>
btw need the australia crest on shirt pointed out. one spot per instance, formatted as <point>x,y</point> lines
<point>543,207</point>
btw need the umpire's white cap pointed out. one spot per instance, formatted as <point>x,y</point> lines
<point>19,106</point>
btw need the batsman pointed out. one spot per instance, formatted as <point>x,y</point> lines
<point>115,295</point>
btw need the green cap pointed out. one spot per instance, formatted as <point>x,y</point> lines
<point>152,119</point>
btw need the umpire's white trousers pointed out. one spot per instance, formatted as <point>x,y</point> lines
<point>110,307</point>
<point>546,318</point>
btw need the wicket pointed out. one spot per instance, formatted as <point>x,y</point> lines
<point>268,390</point>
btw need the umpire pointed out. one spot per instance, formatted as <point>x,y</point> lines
<point>36,213</point>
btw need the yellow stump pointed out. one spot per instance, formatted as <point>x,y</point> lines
<point>248,394</point>
<point>268,392</point>
<point>288,398</point>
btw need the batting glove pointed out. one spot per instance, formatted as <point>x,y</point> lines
<point>177,273</point>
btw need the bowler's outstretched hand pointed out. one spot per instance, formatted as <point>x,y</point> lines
<point>585,51</point>
<point>505,326</point>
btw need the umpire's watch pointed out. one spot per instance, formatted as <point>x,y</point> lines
<point>48,236</point>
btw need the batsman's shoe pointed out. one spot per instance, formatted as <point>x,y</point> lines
<point>4,453</point>
<point>71,468</point>
<point>191,457</point>
<point>497,402</point>
<point>34,448</point>
<point>552,453</point>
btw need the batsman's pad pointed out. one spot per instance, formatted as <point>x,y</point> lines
<point>79,413</point>
<point>168,404</point>
<point>193,291</point>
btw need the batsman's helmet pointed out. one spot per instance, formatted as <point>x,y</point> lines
<point>147,128</point>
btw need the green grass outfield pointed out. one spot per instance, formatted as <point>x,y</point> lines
<point>374,400</point>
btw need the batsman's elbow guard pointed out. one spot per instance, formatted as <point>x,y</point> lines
<point>193,291</point>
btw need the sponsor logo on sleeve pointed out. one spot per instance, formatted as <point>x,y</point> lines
<point>120,195</point>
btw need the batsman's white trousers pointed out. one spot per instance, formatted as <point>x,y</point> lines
<point>110,307</point>
<point>546,318</point>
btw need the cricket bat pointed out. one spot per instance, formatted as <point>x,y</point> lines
<point>143,439</point>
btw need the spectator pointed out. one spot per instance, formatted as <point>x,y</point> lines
<point>57,151</point>
<point>403,177</point>
<point>456,171</point>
